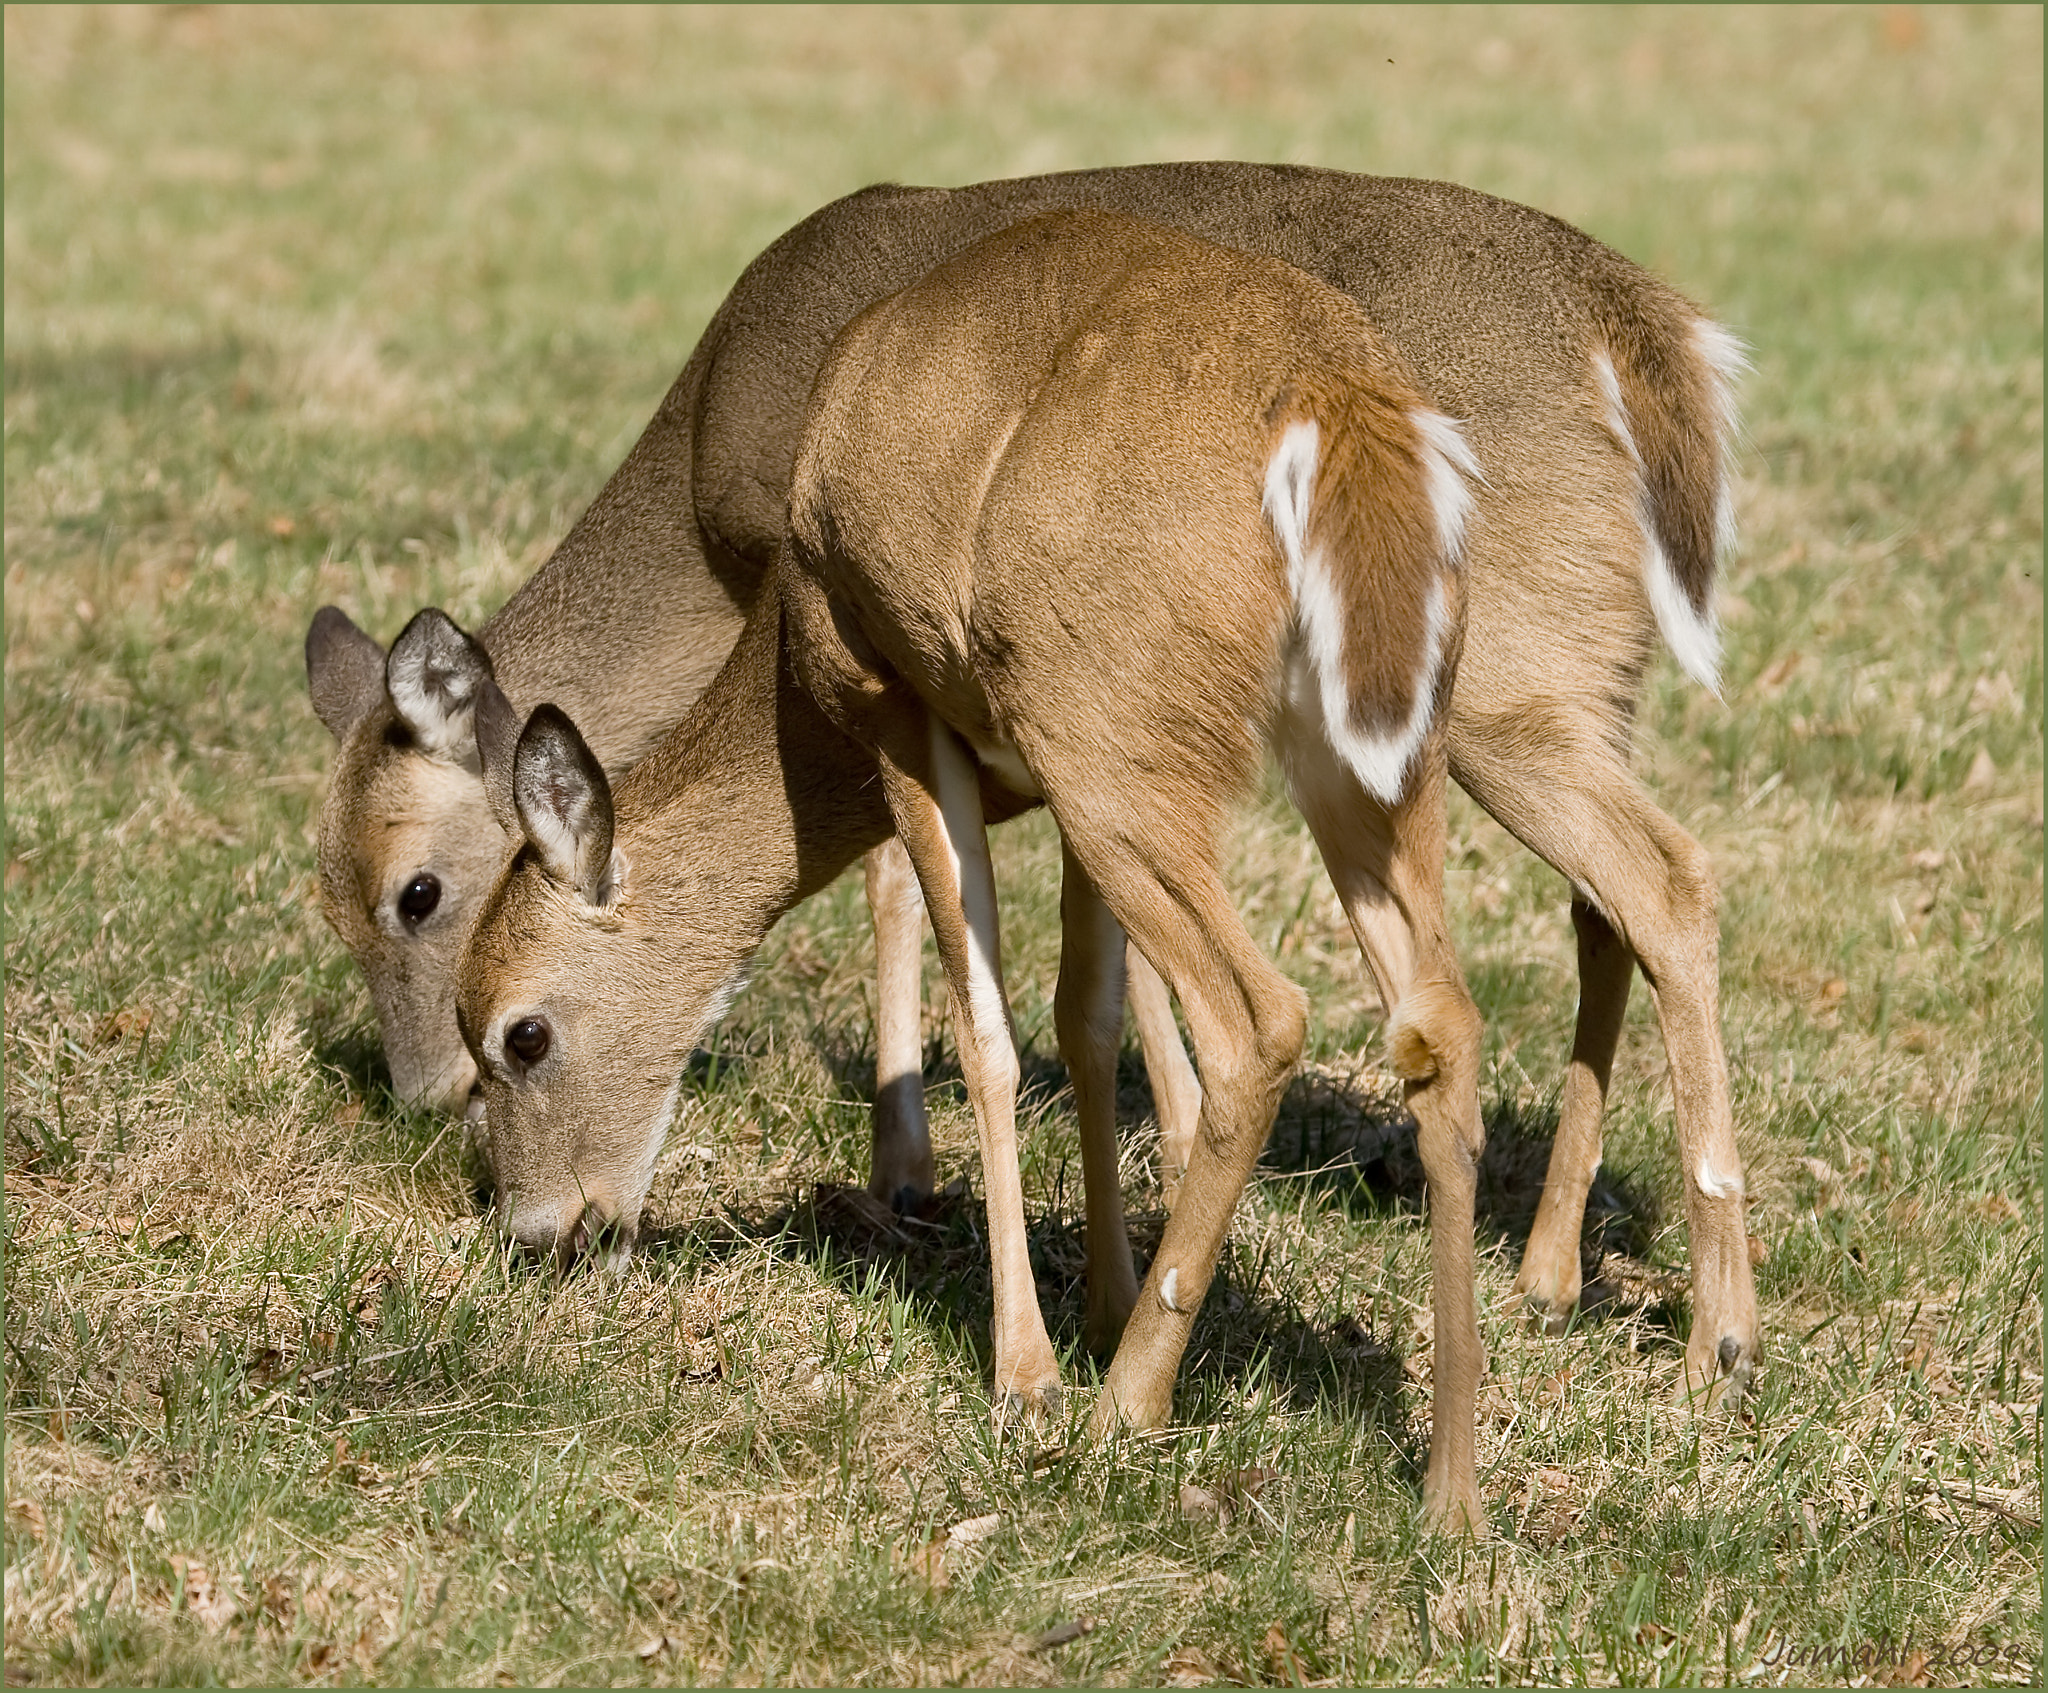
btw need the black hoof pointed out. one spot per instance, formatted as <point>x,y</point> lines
<point>1044,1406</point>
<point>1739,1367</point>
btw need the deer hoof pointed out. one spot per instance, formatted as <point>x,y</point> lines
<point>1038,1407</point>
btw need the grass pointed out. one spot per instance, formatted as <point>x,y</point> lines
<point>363,306</point>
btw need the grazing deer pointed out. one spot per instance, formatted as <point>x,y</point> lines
<point>1085,516</point>
<point>1601,393</point>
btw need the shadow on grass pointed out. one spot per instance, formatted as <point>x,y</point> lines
<point>1344,1137</point>
<point>936,1260</point>
<point>1349,1141</point>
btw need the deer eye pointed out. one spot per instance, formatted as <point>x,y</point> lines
<point>416,904</point>
<point>527,1040</point>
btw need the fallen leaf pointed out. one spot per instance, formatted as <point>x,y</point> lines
<point>1199,1504</point>
<point>117,1026</point>
<point>1281,1664</point>
<point>153,1518</point>
<point>1930,860</point>
<point>1995,1208</point>
<point>1982,773</point>
<point>1990,693</point>
<point>32,1514</point>
<point>927,1563</point>
<point>973,1529</point>
<point>367,1306</point>
<point>651,1649</point>
<point>214,1604</point>
<point>1820,1170</point>
<point>1190,1666</point>
<point>282,527</point>
<point>1759,1251</point>
<point>1911,1673</point>
<point>1778,672</point>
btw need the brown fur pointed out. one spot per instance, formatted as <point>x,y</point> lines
<point>1373,525</point>
<point>1498,311</point>
<point>1026,518</point>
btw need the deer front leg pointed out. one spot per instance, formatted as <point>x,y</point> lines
<point>901,1172</point>
<point>929,781</point>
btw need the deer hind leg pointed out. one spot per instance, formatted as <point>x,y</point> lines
<point>1176,1094</point>
<point>934,795</point>
<point>1388,865</point>
<point>1580,808</point>
<point>1549,1278</point>
<point>1247,1021</point>
<point>1088,1012</point>
<point>901,1171</point>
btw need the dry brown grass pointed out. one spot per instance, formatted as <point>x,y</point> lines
<point>308,305</point>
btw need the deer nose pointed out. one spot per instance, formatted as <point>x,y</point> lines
<point>543,1231</point>
<point>574,1241</point>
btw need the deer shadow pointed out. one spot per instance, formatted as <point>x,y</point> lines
<point>1346,1138</point>
<point>935,1259</point>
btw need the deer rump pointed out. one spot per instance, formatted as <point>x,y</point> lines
<point>1074,504</point>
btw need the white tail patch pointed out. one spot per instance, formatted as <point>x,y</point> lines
<point>1694,641</point>
<point>1380,762</point>
<point>1448,461</point>
<point>1728,359</point>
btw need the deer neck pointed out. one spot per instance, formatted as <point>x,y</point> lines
<point>755,802</point>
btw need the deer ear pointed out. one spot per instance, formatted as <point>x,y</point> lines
<point>344,670</point>
<point>498,724</point>
<point>564,803</point>
<point>433,676</point>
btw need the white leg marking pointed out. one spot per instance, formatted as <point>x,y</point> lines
<point>1715,1185</point>
<point>960,816</point>
<point>1378,761</point>
<point>1693,639</point>
<point>1169,1289</point>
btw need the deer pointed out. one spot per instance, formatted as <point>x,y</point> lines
<point>1086,517</point>
<point>1607,394</point>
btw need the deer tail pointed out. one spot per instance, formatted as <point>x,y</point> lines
<point>1366,489</point>
<point>1668,379</point>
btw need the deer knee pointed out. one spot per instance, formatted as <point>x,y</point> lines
<point>1434,1031</point>
<point>1241,1091</point>
<point>1682,941</point>
<point>1281,1030</point>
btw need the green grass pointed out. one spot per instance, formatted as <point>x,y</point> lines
<point>363,306</point>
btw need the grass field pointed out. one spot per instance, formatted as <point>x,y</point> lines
<point>363,306</point>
